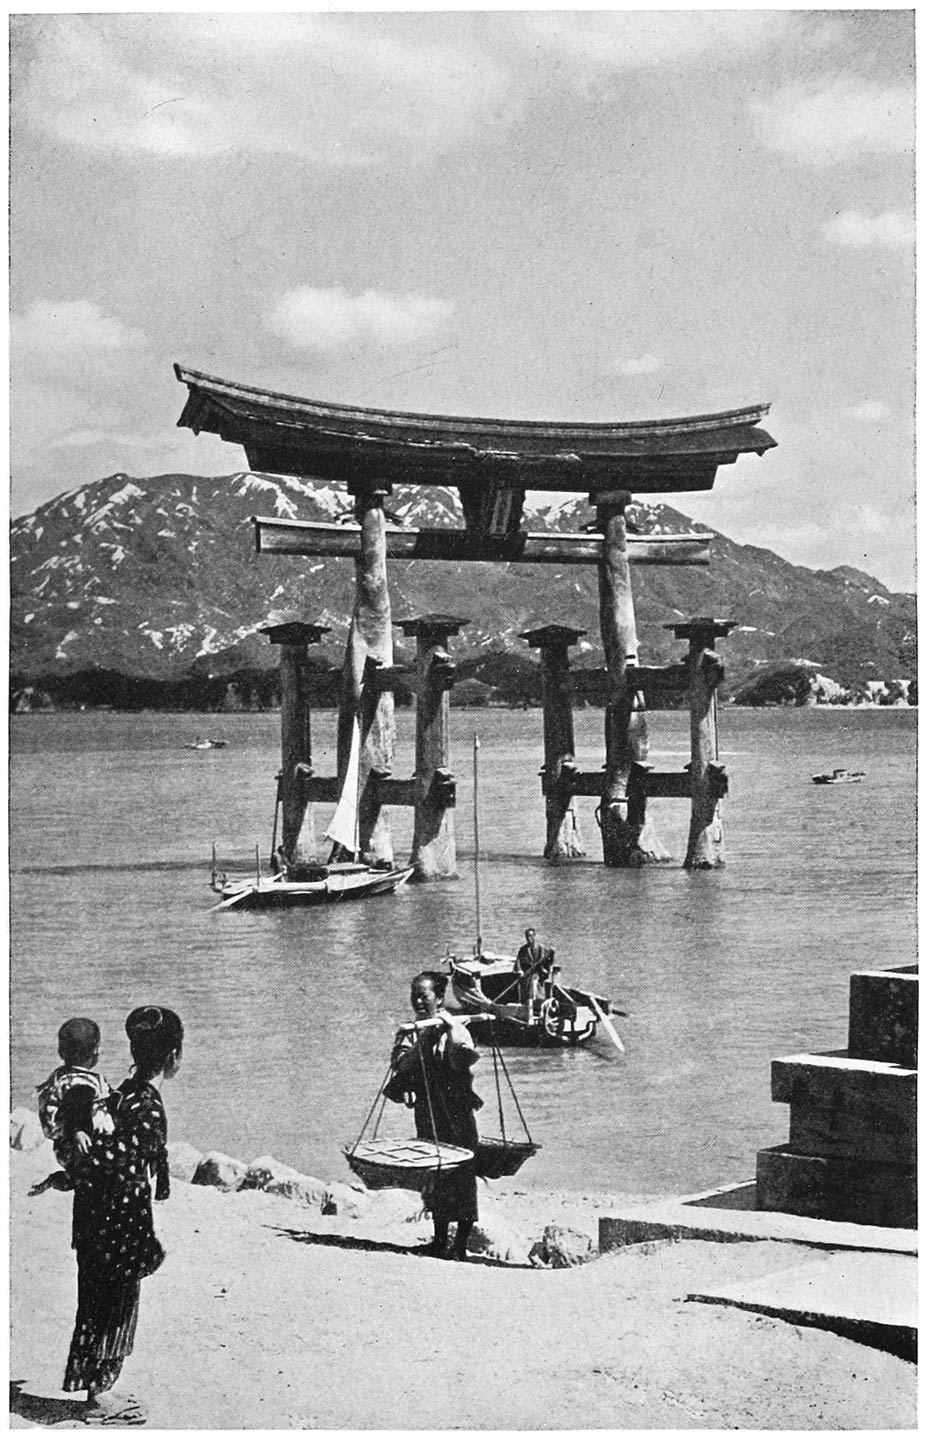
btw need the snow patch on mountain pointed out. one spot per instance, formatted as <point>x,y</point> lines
<point>128,492</point>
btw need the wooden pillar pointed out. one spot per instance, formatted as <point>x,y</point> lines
<point>370,637</point>
<point>297,833</point>
<point>434,846</point>
<point>563,840</point>
<point>628,837</point>
<point>705,850</point>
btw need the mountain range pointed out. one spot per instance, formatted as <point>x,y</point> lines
<point>156,578</point>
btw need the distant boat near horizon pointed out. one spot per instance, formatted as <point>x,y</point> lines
<point>839,776</point>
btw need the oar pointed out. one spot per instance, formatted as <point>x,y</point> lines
<point>607,1025</point>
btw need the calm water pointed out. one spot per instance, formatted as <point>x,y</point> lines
<point>290,1016</point>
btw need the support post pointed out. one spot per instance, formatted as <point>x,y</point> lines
<point>297,815</point>
<point>628,837</point>
<point>705,850</point>
<point>563,840</point>
<point>370,637</point>
<point>434,846</point>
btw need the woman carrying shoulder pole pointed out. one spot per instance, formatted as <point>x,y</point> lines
<point>432,1073</point>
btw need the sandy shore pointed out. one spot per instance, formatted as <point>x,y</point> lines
<point>268,1315</point>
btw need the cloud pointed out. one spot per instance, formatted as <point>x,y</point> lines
<point>634,40</point>
<point>327,320</point>
<point>74,379</point>
<point>893,228</point>
<point>336,90</point>
<point>642,365</point>
<point>69,328</point>
<point>838,119</point>
<point>870,412</point>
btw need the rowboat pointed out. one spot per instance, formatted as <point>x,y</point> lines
<point>316,885</point>
<point>199,744</point>
<point>489,985</point>
<point>839,777</point>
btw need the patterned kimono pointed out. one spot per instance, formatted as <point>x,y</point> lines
<point>113,1235</point>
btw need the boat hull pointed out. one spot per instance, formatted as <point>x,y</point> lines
<point>564,1021</point>
<point>277,893</point>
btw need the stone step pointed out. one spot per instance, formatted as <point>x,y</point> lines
<point>883,1016</point>
<point>842,1106</point>
<point>871,1299</point>
<point>862,1192</point>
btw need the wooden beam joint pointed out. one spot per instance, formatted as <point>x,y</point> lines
<point>442,671</point>
<point>718,782</point>
<point>443,789</point>
<point>379,677</point>
<point>712,667</point>
<point>657,679</point>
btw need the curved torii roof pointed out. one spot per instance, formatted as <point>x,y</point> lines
<point>283,434</point>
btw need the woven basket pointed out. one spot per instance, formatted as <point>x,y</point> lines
<point>402,1164</point>
<point>496,1158</point>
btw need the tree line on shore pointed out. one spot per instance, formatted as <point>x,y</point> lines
<point>495,679</point>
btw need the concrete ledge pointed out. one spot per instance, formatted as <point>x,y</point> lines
<point>835,1066</point>
<point>844,1106</point>
<point>837,1188</point>
<point>883,1016</point>
<point>870,1298</point>
<point>729,1213</point>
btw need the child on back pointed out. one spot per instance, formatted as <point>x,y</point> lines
<point>74,1101</point>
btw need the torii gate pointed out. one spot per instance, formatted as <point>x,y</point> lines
<point>492,463</point>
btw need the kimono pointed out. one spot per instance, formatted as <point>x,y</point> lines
<point>70,1100</point>
<point>113,1235</point>
<point>433,1070</point>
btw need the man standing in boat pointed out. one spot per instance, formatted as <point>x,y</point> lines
<point>534,963</point>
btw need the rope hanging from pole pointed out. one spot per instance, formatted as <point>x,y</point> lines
<point>379,1096</point>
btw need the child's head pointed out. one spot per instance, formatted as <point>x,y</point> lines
<point>79,1041</point>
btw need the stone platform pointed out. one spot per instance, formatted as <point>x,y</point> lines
<point>730,1213</point>
<point>868,1296</point>
<point>864,1286</point>
<point>852,1147</point>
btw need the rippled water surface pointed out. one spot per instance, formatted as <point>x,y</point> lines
<point>290,1016</point>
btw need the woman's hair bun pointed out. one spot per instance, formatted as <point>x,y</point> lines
<point>144,1019</point>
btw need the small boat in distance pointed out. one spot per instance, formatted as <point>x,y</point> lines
<point>201,744</point>
<point>839,776</point>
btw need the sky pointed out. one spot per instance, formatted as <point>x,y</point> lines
<point>596,215</point>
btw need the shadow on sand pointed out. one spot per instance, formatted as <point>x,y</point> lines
<point>43,1409</point>
<point>354,1242</point>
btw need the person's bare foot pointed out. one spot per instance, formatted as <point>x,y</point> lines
<point>109,1408</point>
<point>57,1181</point>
